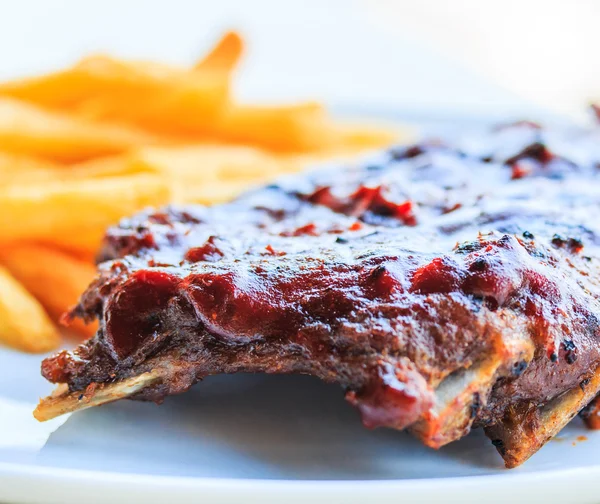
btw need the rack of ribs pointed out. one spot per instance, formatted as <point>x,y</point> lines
<point>443,287</point>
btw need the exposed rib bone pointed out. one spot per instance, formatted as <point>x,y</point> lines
<point>457,400</point>
<point>460,396</point>
<point>61,401</point>
<point>525,428</point>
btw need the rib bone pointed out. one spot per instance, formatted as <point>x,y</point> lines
<point>62,401</point>
<point>460,397</point>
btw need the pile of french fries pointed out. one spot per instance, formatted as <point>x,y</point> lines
<point>82,147</point>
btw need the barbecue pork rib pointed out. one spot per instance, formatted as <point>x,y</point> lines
<point>443,288</point>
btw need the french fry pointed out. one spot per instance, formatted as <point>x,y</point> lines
<point>359,136</point>
<point>199,171</point>
<point>112,166</point>
<point>101,75</point>
<point>168,100</point>
<point>50,212</point>
<point>23,322</point>
<point>21,169</point>
<point>83,245</point>
<point>59,90</point>
<point>11,162</point>
<point>29,130</point>
<point>55,278</point>
<point>161,98</point>
<point>294,128</point>
<point>224,56</point>
<point>303,128</point>
<point>103,85</point>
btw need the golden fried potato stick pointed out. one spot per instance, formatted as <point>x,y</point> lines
<point>22,169</point>
<point>32,131</point>
<point>211,173</point>
<point>294,128</point>
<point>360,136</point>
<point>54,211</point>
<point>83,245</point>
<point>302,128</point>
<point>161,98</point>
<point>111,166</point>
<point>104,76</point>
<point>225,56</point>
<point>169,100</point>
<point>23,322</point>
<point>54,277</point>
<point>11,163</point>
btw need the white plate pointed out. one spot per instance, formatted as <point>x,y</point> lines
<point>267,439</point>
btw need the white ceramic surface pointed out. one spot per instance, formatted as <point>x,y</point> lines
<point>265,439</point>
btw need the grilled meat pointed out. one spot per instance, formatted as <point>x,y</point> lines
<point>444,288</point>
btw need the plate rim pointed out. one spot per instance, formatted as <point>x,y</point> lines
<point>36,484</point>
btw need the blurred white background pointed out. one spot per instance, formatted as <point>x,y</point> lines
<point>437,57</point>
